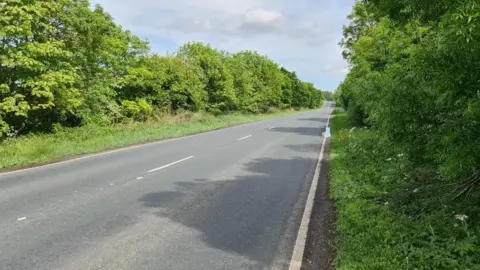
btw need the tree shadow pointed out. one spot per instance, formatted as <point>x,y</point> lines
<point>305,148</point>
<point>246,214</point>
<point>305,131</point>
<point>315,119</point>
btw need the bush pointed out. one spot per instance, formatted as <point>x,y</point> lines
<point>388,218</point>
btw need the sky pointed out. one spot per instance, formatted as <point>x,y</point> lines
<point>300,35</point>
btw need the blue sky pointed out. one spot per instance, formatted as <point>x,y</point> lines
<point>301,35</point>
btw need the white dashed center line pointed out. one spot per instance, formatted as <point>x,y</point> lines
<point>22,218</point>
<point>168,165</point>
<point>246,137</point>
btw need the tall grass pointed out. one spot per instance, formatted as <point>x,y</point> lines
<point>67,142</point>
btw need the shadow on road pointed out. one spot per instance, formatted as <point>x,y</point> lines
<point>240,215</point>
<point>305,148</point>
<point>305,131</point>
<point>315,119</point>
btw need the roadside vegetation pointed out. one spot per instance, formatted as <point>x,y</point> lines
<point>327,95</point>
<point>70,75</point>
<point>390,214</point>
<point>406,154</point>
<point>37,149</point>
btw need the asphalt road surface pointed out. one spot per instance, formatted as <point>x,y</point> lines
<point>228,199</point>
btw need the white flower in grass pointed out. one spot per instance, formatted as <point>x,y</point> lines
<point>461,217</point>
<point>386,203</point>
<point>389,159</point>
<point>400,155</point>
<point>415,190</point>
<point>352,129</point>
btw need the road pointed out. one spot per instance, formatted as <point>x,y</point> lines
<point>228,199</point>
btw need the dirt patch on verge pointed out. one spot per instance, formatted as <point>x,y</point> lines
<point>319,254</point>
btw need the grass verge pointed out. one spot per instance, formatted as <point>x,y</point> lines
<point>44,148</point>
<point>387,221</point>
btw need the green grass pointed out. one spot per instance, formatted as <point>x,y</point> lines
<point>386,222</point>
<point>44,148</point>
<point>338,122</point>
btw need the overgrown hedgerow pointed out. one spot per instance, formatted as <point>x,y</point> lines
<point>415,173</point>
<point>386,222</point>
<point>66,63</point>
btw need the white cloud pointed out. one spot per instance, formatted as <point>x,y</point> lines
<point>301,35</point>
<point>261,20</point>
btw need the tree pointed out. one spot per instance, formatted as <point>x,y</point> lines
<point>64,63</point>
<point>102,53</point>
<point>327,95</point>
<point>166,82</point>
<point>413,77</point>
<point>216,77</point>
<point>38,80</point>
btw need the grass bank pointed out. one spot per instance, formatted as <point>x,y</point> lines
<point>386,222</point>
<point>65,143</point>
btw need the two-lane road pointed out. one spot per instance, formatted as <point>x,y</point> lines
<point>228,199</point>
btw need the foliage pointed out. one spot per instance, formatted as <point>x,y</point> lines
<point>215,75</point>
<point>65,64</point>
<point>327,95</point>
<point>36,75</point>
<point>387,217</point>
<point>414,82</point>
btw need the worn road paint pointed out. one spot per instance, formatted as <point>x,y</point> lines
<point>243,138</point>
<point>170,164</point>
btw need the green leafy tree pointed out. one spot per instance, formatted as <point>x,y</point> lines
<point>167,82</point>
<point>102,53</point>
<point>414,78</point>
<point>327,95</point>
<point>217,79</point>
<point>244,82</point>
<point>65,63</point>
<point>37,79</point>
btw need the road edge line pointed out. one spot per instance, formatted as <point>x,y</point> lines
<point>301,241</point>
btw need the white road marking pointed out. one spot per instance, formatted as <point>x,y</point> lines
<point>286,122</point>
<point>327,132</point>
<point>124,148</point>
<point>271,127</point>
<point>139,178</point>
<point>299,249</point>
<point>243,138</point>
<point>168,165</point>
<point>22,218</point>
